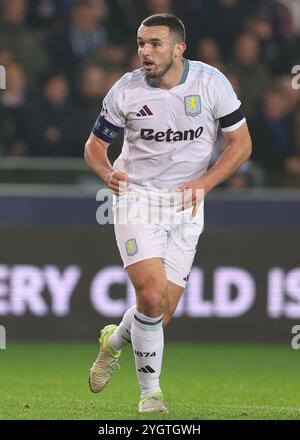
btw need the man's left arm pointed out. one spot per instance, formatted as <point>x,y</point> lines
<point>237,152</point>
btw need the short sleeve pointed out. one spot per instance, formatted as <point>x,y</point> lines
<point>226,105</point>
<point>113,104</point>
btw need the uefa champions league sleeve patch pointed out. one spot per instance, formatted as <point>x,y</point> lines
<point>131,247</point>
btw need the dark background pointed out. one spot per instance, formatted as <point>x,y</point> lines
<point>264,247</point>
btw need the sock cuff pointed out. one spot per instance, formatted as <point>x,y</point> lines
<point>146,322</point>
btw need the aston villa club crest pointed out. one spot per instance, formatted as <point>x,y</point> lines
<point>192,105</point>
<point>131,247</point>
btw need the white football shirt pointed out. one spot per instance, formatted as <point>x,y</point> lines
<point>168,134</point>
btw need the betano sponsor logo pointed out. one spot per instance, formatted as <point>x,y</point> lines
<point>148,134</point>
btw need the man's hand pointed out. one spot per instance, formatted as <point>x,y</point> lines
<point>193,194</point>
<point>117,182</point>
<point>237,152</point>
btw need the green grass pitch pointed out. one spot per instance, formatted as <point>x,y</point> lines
<point>200,381</point>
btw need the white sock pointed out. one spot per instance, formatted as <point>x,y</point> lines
<point>121,336</point>
<point>148,343</point>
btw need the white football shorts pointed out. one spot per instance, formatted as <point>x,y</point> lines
<point>148,227</point>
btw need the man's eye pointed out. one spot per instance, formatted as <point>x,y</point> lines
<point>140,44</point>
<point>156,44</point>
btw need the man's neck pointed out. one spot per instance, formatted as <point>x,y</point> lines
<point>172,77</point>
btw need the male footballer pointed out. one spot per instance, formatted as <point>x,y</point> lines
<point>170,110</point>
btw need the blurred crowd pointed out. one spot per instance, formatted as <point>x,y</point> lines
<point>62,56</point>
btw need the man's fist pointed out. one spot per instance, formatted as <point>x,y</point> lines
<point>117,183</point>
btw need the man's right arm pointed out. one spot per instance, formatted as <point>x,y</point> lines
<point>95,155</point>
<point>107,126</point>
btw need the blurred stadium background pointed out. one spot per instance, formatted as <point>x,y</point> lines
<point>61,277</point>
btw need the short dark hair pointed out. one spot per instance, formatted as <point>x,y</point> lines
<point>171,21</point>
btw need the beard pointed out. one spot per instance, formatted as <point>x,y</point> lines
<point>160,72</point>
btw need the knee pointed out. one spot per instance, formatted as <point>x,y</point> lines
<point>152,300</point>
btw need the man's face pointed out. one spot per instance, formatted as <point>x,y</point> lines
<point>156,50</point>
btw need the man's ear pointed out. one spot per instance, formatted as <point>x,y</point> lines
<point>180,48</point>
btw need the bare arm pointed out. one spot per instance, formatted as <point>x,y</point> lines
<point>95,155</point>
<point>237,152</point>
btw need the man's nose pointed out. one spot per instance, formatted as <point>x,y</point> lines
<point>147,49</point>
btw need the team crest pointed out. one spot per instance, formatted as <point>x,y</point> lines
<point>131,247</point>
<point>192,105</point>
